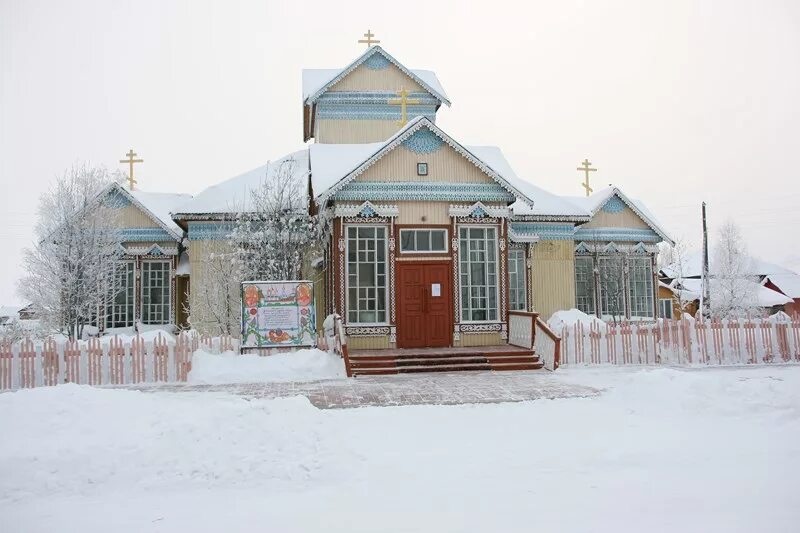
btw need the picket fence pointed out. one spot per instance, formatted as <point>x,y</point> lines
<point>684,342</point>
<point>110,361</point>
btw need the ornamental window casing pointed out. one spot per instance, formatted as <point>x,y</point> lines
<point>517,282</point>
<point>156,292</point>
<point>366,276</point>
<point>423,241</point>
<point>640,286</point>
<point>478,270</point>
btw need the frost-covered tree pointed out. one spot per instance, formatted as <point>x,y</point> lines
<point>675,257</point>
<point>218,295</point>
<point>733,282</point>
<point>275,232</point>
<point>69,271</point>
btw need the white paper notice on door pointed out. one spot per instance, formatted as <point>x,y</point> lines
<point>436,289</point>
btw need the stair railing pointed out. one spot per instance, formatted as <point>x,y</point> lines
<point>341,344</point>
<point>548,345</point>
<point>522,329</point>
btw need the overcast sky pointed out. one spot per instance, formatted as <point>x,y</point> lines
<point>675,102</point>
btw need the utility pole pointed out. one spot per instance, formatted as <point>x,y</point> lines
<point>706,305</point>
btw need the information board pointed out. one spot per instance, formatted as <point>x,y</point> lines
<point>278,313</point>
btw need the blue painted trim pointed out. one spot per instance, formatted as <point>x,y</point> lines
<point>145,235</point>
<point>424,191</point>
<point>423,141</point>
<point>372,97</point>
<point>372,105</point>
<point>617,235</point>
<point>377,62</point>
<point>545,232</point>
<point>219,231</point>
<point>116,200</point>
<point>614,205</point>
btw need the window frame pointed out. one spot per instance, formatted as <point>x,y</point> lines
<point>670,305</point>
<point>591,283</point>
<point>523,275</point>
<point>419,166</point>
<point>444,250</point>
<point>496,230</point>
<point>145,266</point>
<point>643,263</point>
<point>387,282</point>
<point>130,292</point>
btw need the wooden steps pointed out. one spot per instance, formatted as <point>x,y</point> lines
<point>410,360</point>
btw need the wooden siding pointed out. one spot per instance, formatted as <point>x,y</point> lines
<point>479,339</point>
<point>553,275</point>
<point>340,131</point>
<point>444,165</point>
<point>624,219</point>
<point>132,217</point>
<point>378,342</point>
<point>365,79</point>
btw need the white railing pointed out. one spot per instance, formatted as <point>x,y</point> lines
<point>547,345</point>
<point>521,328</point>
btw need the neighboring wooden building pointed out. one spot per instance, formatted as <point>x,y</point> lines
<point>788,284</point>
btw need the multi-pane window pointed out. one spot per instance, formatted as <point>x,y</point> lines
<point>119,312</point>
<point>584,284</point>
<point>423,240</point>
<point>366,274</point>
<point>516,280</point>
<point>478,271</point>
<point>155,292</point>
<point>665,308</point>
<point>640,286</point>
<point>612,285</point>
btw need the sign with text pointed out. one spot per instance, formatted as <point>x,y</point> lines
<point>278,313</point>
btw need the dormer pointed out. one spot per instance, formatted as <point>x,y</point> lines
<point>367,101</point>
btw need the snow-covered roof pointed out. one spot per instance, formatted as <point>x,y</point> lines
<point>692,267</point>
<point>317,81</point>
<point>765,297</point>
<point>161,205</point>
<point>333,166</point>
<point>235,194</point>
<point>597,200</point>
<point>787,282</point>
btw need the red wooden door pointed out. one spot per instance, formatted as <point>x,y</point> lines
<point>424,299</point>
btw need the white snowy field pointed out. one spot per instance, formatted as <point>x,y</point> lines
<point>660,450</point>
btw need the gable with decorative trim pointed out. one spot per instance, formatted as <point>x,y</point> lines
<point>615,214</point>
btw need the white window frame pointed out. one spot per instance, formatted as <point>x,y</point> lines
<point>591,281</point>
<point>488,320</point>
<point>415,231</point>
<point>523,275</point>
<point>669,305</point>
<point>387,284</point>
<point>645,263</point>
<point>143,289</point>
<point>601,262</point>
<point>109,308</point>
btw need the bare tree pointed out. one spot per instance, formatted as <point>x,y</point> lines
<point>69,271</point>
<point>733,280</point>
<point>675,259</point>
<point>217,294</point>
<point>274,234</point>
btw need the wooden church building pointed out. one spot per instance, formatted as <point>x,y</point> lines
<point>432,241</point>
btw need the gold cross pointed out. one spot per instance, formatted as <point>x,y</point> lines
<point>368,41</point>
<point>586,168</point>
<point>131,155</point>
<point>402,102</point>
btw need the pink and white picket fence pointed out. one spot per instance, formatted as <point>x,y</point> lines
<point>684,342</point>
<point>107,361</point>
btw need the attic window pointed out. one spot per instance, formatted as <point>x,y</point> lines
<point>422,169</point>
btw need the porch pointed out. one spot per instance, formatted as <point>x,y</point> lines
<point>531,346</point>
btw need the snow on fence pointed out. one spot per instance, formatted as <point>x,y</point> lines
<point>110,361</point>
<point>684,342</point>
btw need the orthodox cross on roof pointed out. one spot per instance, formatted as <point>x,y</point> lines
<point>131,160</point>
<point>586,168</point>
<point>368,41</point>
<point>402,102</point>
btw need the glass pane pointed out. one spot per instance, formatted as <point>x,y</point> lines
<point>437,240</point>
<point>406,241</point>
<point>423,241</point>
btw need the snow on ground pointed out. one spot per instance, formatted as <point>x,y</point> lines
<point>562,319</point>
<point>660,450</point>
<point>300,365</point>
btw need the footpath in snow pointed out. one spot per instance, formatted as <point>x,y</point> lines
<point>659,450</point>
